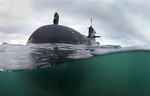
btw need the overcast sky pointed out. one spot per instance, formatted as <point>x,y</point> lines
<point>118,22</point>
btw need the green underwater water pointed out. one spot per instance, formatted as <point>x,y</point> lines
<point>116,74</point>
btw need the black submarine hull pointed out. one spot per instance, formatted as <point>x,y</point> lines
<point>57,34</point>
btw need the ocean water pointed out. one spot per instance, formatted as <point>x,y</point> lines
<point>74,70</point>
<point>34,56</point>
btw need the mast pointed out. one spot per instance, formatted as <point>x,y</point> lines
<point>56,18</point>
<point>91,22</point>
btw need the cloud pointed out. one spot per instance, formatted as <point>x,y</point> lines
<point>115,20</point>
<point>13,17</point>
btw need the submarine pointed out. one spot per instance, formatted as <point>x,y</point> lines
<point>55,33</point>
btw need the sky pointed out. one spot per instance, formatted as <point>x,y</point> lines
<point>118,22</point>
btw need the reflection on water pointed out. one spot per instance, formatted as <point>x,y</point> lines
<point>33,56</point>
<point>45,56</point>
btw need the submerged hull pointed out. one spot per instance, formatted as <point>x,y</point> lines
<point>125,73</point>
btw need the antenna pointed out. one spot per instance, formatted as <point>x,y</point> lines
<point>91,22</point>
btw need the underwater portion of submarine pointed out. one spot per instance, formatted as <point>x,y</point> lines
<point>55,33</point>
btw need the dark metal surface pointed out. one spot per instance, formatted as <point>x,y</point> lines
<point>57,34</point>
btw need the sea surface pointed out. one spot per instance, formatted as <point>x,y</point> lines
<point>74,70</point>
<point>34,56</point>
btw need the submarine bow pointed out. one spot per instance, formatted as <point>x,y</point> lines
<point>57,34</point>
